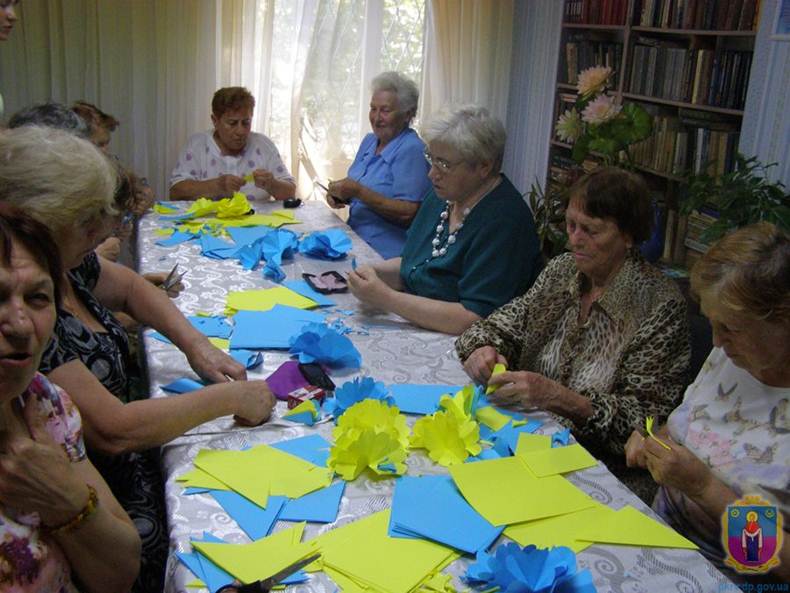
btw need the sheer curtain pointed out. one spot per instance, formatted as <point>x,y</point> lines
<point>467,54</point>
<point>155,65</point>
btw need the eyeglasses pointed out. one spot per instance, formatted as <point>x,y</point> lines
<point>439,164</point>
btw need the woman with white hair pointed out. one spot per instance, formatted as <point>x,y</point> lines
<point>389,176</point>
<point>70,186</point>
<point>472,246</point>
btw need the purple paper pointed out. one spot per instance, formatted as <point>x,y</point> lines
<point>286,379</point>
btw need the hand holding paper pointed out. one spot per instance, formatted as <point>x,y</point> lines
<point>480,364</point>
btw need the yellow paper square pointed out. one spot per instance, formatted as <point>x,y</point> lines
<point>557,531</point>
<point>559,460</point>
<point>518,495</point>
<point>492,418</point>
<point>259,559</point>
<point>629,527</point>
<point>266,298</point>
<point>532,442</point>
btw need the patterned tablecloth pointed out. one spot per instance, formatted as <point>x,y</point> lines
<point>393,351</point>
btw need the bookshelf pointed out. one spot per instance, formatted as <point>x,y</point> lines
<point>687,63</point>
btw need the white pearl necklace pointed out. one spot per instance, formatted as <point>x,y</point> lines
<point>440,251</point>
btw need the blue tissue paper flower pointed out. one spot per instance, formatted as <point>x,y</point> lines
<point>529,570</point>
<point>320,343</point>
<point>355,391</point>
<point>330,244</point>
<point>279,244</point>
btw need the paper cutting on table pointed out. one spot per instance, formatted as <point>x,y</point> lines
<point>519,496</point>
<point>431,507</point>
<point>330,244</point>
<point>249,358</point>
<point>266,298</point>
<point>270,329</point>
<point>301,287</point>
<point>320,506</point>
<point>506,439</point>
<point>560,530</point>
<point>528,442</point>
<point>259,559</point>
<point>304,413</point>
<point>313,448</point>
<point>183,385</point>
<point>197,478</point>
<point>492,417</point>
<point>175,239</point>
<point>629,527</point>
<point>419,399</point>
<point>262,471</point>
<point>254,520</point>
<point>558,460</point>
<point>205,569</point>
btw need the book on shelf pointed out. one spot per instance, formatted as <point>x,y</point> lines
<point>581,53</point>
<point>716,15</point>
<point>668,70</point>
<point>698,222</point>
<point>596,12</point>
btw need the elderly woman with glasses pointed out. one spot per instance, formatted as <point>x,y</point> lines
<point>389,176</point>
<point>472,246</point>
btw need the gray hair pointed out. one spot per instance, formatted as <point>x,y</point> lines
<point>404,89</point>
<point>477,135</point>
<point>50,115</point>
<point>58,178</point>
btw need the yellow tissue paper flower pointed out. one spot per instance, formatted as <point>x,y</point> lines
<point>460,404</point>
<point>370,434</point>
<point>448,439</point>
<point>233,207</point>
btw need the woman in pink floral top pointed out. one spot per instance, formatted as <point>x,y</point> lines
<point>61,530</point>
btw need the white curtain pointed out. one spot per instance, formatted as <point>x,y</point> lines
<point>155,64</point>
<point>467,54</point>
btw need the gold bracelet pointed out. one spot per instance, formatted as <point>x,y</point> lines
<point>80,518</point>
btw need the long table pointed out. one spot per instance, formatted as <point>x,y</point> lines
<point>393,351</point>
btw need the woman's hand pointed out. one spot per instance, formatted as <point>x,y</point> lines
<point>158,280</point>
<point>366,285</point>
<point>213,364</point>
<point>523,388</point>
<point>635,450</point>
<point>676,467</point>
<point>254,402</point>
<point>481,362</point>
<point>263,179</point>
<point>227,185</point>
<point>143,200</point>
<point>344,189</point>
<point>35,474</point>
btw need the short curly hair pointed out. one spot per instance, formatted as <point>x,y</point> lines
<point>231,98</point>
<point>623,196</point>
<point>748,272</point>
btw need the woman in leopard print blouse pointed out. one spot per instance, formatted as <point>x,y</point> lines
<point>601,339</point>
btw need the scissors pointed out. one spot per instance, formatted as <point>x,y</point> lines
<point>173,278</point>
<point>265,585</point>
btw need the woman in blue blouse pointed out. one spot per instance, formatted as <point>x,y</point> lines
<point>389,176</point>
<point>472,246</point>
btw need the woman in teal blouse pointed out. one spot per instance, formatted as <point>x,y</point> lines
<point>472,246</point>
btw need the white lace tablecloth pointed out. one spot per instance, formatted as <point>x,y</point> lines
<point>393,351</point>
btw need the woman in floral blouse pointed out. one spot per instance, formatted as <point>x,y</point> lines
<point>601,339</point>
<point>60,526</point>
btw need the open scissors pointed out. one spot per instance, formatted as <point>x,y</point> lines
<point>173,278</point>
<point>265,585</point>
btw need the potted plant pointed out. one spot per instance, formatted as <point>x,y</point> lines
<point>596,125</point>
<point>741,197</point>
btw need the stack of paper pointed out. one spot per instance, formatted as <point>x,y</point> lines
<point>262,471</point>
<point>265,298</point>
<point>259,559</point>
<point>430,507</point>
<point>363,555</point>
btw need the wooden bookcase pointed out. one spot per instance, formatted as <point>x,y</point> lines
<point>687,63</point>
